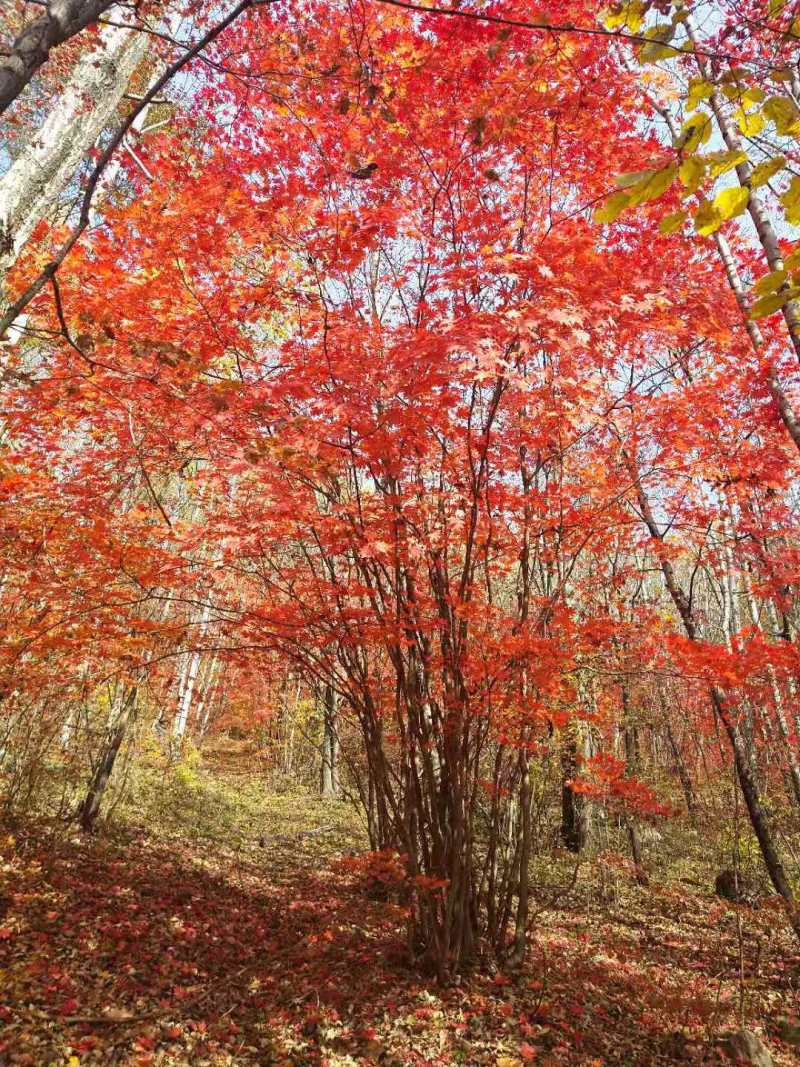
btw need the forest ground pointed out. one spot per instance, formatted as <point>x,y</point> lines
<point>190,943</point>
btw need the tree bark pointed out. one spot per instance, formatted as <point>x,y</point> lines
<point>680,767</point>
<point>632,761</point>
<point>90,808</point>
<point>187,683</point>
<point>574,817</point>
<point>29,190</point>
<point>789,751</point>
<point>61,20</point>
<point>330,745</point>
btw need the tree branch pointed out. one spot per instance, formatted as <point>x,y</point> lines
<point>62,19</point>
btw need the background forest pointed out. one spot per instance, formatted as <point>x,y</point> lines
<point>399,556</point>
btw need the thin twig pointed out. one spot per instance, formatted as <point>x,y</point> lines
<point>63,322</point>
<point>544,27</point>
<point>145,475</point>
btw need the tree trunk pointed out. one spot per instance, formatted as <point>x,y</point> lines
<point>523,881</point>
<point>90,808</point>
<point>788,746</point>
<point>681,768</point>
<point>632,761</point>
<point>206,695</point>
<point>30,189</point>
<point>574,815</point>
<point>758,816</point>
<point>187,683</point>
<point>330,745</point>
<point>755,808</point>
<point>31,47</point>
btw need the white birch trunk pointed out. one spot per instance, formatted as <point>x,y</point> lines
<point>30,189</point>
<point>188,682</point>
<point>207,681</point>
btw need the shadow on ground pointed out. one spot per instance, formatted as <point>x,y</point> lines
<point>150,953</point>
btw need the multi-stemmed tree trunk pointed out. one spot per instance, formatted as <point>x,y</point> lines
<point>468,890</point>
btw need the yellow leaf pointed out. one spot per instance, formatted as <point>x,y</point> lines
<point>612,208</point>
<point>711,215</point>
<point>657,45</point>
<point>753,95</point>
<point>766,170</point>
<point>699,90</point>
<point>731,202</point>
<point>792,261</point>
<point>654,50</point>
<point>652,185</point>
<point>672,223</point>
<point>768,305</point>
<point>625,181</point>
<point>694,132</point>
<point>629,16</point>
<point>783,112</point>
<point>791,202</point>
<point>707,220</point>
<point>692,171</point>
<point>751,124</point>
<point>508,1061</point>
<point>770,282</point>
<point>721,162</point>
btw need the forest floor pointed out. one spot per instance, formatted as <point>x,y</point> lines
<point>193,944</point>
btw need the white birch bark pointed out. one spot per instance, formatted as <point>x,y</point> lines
<point>31,47</point>
<point>30,189</point>
<point>205,700</point>
<point>189,677</point>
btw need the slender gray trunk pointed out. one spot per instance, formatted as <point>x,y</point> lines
<point>680,767</point>
<point>632,761</point>
<point>788,747</point>
<point>90,808</point>
<point>330,744</point>
<point>759,818</point>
